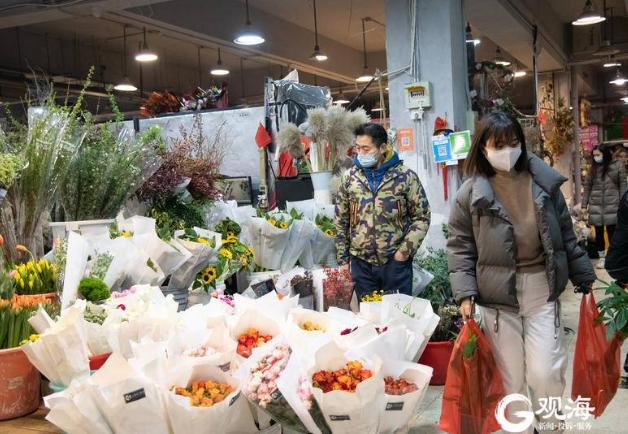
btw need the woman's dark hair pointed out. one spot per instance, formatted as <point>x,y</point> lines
<point>376,132</point>
<point>607,157</point>
<point>501,127</point>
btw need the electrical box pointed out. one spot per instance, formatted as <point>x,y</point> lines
<point>418,94</point>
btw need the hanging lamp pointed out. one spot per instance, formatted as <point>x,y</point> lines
<point>611,62</point>
<point>469,36</point>
<point>219,69</point>
<point>499,58</point>
<point>126,85</point>
<point>365,77</point>
<point>619,79</point>
<point>588,16</point>
<point>248,35</point>
<point>146,54</point>
<point>317,55</point>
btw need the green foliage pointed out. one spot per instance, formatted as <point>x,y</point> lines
<point>174,214</point>
<point>227,226</point>
<point>326,225</point>
<point>93,289</point>
<point>614,310</point>
<point>438,292</point>
<point>449,324</point>
<point>110,166</point>
<point>468,350</point>
<point>10,166</point>
<point>101,265</point>
<point>296,215</point>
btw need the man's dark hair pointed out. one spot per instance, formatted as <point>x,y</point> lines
<point>376,132</point>
<point>501,127</point>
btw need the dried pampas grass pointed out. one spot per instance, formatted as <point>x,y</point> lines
<point>340,137</point>
<point>317,125</point>
<point>356,118</point>
<point>289,140</point>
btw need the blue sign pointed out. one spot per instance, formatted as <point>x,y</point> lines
<point>441,148</point>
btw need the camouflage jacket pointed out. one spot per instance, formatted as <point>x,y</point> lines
<point>373,226</point>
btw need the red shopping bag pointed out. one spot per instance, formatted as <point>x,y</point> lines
<point>596,364</point>
<point>473,387</point>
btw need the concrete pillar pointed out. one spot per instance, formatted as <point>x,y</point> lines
<point>441,60</point>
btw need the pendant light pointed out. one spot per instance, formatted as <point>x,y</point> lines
<point>249,35</point>
<point>619,79</point>
<point>625,99</point>
<point>365,77</point>
<point>469,37</point>
<point>342,99</point>
<point>317,55</point>
<point>611,62</point>
<point>588,16</point>
<point>219,70</point>
<point>146,54</point>
<point>126,85</point>
<point>499,59</point>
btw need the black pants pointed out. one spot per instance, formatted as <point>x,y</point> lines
<point>599,236</point>
<point>394,276</point>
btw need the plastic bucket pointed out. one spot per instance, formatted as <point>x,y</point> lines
<point>437,355</point>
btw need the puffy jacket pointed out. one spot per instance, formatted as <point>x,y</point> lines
<point>616,261</point>
<point>603,192</point>
<point>373,225</point>
<point>482,253</point>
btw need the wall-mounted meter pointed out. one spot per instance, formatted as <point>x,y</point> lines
<point>418,94</point>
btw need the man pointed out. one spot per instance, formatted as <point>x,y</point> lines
<point>617,256</point>
<point>382,215</point>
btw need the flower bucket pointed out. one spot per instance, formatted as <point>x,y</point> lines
<point>320,182</point>
<point>96,362</point>
<point>179,295</point>
<point>437,355</point>
<point>60,229</point>
<point>19,384</point>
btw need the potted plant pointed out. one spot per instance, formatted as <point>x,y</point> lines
<point>438,350</point>
<point>19,379</point>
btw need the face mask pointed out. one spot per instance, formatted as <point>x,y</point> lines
<point>503,159</point>
<point>598,159</point>
<point>368,160</point>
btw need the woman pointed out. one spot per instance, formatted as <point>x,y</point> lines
<point>511,250</point>
<point>603,188</point>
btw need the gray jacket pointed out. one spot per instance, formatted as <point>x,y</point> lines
<point>602,194</point>
<point>481,246</point>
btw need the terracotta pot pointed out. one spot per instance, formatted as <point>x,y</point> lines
<point>19,384</point>
<point>95,362</point>
<point>437,355</point>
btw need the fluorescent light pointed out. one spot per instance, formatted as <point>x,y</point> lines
<point>249,38</point>
<point>518,74</point>
<point>146,56</point>
<point>625,99</point>
<point>248,35</point>
<point>619,79</point>
<point>219,71</point>
<point>377,109</point>
<point>125,85</point>
<point>341,101</point>
<point>499,59</point>
<point>474,41</point>
<point>364,78</point>
<point>588,16</point>
<point>611,62</point>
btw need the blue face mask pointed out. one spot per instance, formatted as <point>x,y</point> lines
<point>368,160</point>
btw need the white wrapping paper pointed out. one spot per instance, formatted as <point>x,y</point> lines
<point>268,243</point>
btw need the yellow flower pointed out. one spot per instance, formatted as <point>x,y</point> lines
<point>225,253</point>
<point>202,241</point>
<point>126,234</point>
<point>230,234</point>
<point>33,337</point>
<point>283,225</point>
<point>272,222</point>
<point>229,240</point>
<point>211,271</point>
<point>330,233</point>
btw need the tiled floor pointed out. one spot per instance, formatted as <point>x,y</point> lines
<point>609,423</point>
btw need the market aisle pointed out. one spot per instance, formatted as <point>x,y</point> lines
<point>608,423</point>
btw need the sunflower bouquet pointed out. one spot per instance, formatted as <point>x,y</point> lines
<point>228,228</point>
<point>326,225</point>
<point>233,256</point>
<point>195,237</point>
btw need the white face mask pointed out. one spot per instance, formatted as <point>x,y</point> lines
<point>598,159</point>
<point>503,159</point>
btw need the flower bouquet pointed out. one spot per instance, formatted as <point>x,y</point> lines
<point>301,232</point>
<point>348,390</point>
<point>203,246</point>
<point>14,314</point>
<point>405,387</point>
<point>261,376</point>
<point>253,329</point>
<point>269,238</point>
<point>337,288</point>
<point>203,398</point>
<point>306,330</point>
<point>303,286</point>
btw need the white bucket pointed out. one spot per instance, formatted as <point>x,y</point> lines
<point>320,182</point>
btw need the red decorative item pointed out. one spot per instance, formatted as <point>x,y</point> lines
<point>96,362</point>
<point>474,386</point>
<point>337,288</point>
<point>437,355</point>
<point>262,138</point>
<point>596,363</point>
<point>439,123</point>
